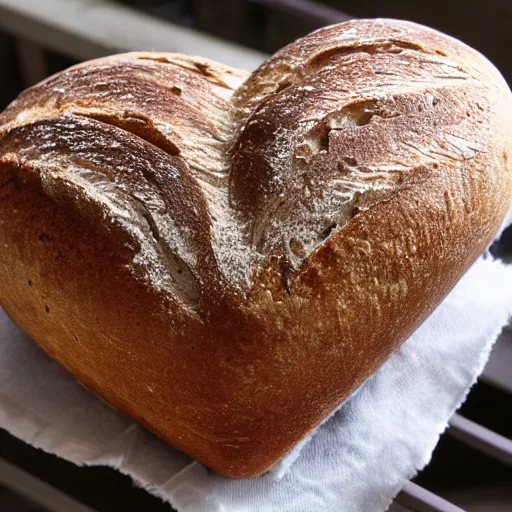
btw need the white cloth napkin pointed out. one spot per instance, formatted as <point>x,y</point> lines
<point>355,462</point>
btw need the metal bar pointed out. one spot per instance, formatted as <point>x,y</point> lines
<point>38,491</point>
<point>498,372</point>
<point>84,29</point>
<point>417,499</point>
<point>321,14</point>
<point>481,438</point>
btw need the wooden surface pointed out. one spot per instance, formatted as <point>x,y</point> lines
<point>84,29</point>
<point>40,492</point>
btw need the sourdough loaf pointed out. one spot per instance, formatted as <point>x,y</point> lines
<point>225,257</point>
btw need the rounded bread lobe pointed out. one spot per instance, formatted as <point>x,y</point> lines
<point>228,262</point>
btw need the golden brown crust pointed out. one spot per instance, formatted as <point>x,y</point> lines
<point>227,265</point>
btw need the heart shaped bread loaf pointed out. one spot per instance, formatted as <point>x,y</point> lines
<point>226,257</point>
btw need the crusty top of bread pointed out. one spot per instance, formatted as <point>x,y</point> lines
<point>226,260</point>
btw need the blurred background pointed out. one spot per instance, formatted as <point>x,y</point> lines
<point>472,465</point>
